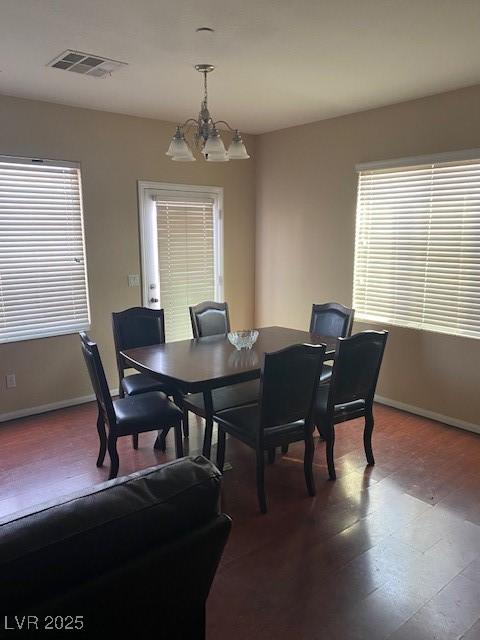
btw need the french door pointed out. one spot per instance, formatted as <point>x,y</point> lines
<point>181,240</point>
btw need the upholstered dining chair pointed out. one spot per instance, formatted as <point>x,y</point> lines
<point>351,390</point>
<point>210,319</point>
<point>328,319</point>
<point>132,328</point>
<point>127,416</point>
<point>331,319</point>
<point>283,415</point>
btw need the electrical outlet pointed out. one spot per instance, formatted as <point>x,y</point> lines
<point>11,381</point>
<point>134,280</point>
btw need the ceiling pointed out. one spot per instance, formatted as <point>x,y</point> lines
<point>280,62</point>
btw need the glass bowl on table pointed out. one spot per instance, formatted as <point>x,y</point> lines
<point>243,339</point>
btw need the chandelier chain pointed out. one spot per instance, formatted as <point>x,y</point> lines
<point>205,90</point>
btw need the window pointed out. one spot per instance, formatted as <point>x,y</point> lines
<point>181,252</point>
<point>417,249</point>
<point>43,280</point>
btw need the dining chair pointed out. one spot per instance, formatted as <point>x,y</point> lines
<point>209,319</point>
<point>283,414</point>
<point>351,390</point>
<point>328,319</point>
<point>127,416</point>
<point>132,328</point>
<point>331,319</point>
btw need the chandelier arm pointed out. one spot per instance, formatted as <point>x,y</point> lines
<point>187,122</point>
<point>225,123</point>
<point>191,125</point>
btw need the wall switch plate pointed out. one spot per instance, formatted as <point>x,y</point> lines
<point>11,381</point>
<point>134,280</point>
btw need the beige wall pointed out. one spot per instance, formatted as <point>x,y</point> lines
<point>306,192</point>
<point>115,151</point>
<point>306,189</point>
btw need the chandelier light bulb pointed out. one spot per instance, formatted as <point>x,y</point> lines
<point>214,144</point>
<point>217,157</point>
<point>179,150</point>
<point>187,157</point>
<point>237,149</point>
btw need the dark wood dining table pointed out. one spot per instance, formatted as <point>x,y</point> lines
<point>204,364</point>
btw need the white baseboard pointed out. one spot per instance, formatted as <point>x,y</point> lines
<point>43,408</point>
<point>454,422</point>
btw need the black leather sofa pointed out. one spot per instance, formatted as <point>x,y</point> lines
<point>134,556</point>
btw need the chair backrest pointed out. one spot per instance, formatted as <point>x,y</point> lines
<point>209,319</point>
<point>288,384</point>
<point>331,319</point>
<point>137,327</point>
<point>97,376</point>
<point>356,367</point>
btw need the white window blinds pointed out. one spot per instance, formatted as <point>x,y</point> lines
<point>417,251</point>
<point>186,259</point>
<point>43,282</point>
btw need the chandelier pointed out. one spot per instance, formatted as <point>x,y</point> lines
<point>206,136</point>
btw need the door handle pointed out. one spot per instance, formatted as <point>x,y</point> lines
<point>153,299</point>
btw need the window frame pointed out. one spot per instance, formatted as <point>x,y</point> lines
<point>460,156</point>
<point>48,162</point>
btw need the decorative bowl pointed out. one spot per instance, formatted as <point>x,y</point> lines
<point>243,339</point>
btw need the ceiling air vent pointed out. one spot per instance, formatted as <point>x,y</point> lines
<point>86,64</point>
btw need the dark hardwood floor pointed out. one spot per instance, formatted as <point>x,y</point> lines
<point>386,552</point>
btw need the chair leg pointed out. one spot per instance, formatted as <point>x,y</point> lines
<point>284,449</point>
<point>321,436</point>
<point>102,436</point>
<point>262,501</point>
<point>186,427</point>
<point>330,443</point>
<point>271,456</point>
<point>135,440</point>
<point>178,440</point>
<point>112,452</point>
<point>221,448</point>
<point>160,441</point>
<point>207,438</point>
<point>308,463</point>
<point>367,437</point>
